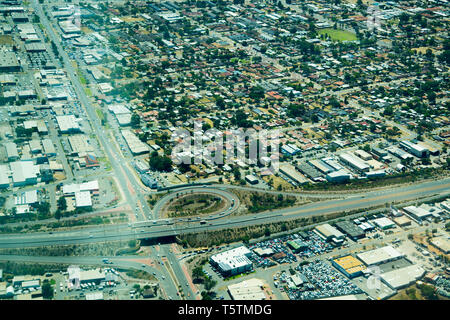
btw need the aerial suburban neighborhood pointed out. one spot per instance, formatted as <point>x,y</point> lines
<point>224,150</point>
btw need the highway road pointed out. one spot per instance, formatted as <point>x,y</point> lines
<point>162,229</point>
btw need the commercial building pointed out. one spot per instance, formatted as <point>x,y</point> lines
<point>28,197</point>
<point>329,233</point>
<point>71,189</point>
<point>340,176</point>
<point>83,199</point>
<point>292,173</point>
<point>68,124</point>
<point>349,266</point>
<point>384,223</point>
<point>233,261</point>
<point>136,146</point>
<point>403,277</point>
<point>375,174</point>
<point>251,289</point>
<point>251,179</point>
<point>94,275</point>
<point>351,229</point>
<point>354,162</point>
<point>379,255</point>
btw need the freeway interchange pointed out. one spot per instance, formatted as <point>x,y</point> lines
<point>172,227</point>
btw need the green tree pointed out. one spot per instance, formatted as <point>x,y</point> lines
<point>47,290</point>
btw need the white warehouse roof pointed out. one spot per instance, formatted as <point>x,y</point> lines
<point>379,255</point>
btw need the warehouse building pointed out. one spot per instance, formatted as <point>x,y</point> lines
<point>80,145</point>
<point>291,173</point>
<point>363,155</point>
<point>349,266</point>
<point>379,256</point>
<point>9,62</point>
<point>28,197</point>
<point>136,146</point>
<point>415,149</point>
<point>354,162</point>
<point>264,252</point>
<point>375,174</point>
<point>402,221</point>
<point>94,275</point>
<point>321,166</point>
<point>71,189</point>
<point>24,173</point>
<point>49,148</point>
<point>351,229</point>
<point>329,233</point>
<point>68,124</point>
<point>417,213</point>
<point>11,151</point>
<point>403,277</point>
<point>4,176</point>
<point>442,243</point>
<point>400,153</point>
<point>122,114</point>
<point>233,261</point>
<point>340,176</point>
<point>251,289</point>
<point>333,163</point>
<point>384,223</point>
<point>310,171</point>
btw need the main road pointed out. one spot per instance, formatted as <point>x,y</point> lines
<point>126,180</point>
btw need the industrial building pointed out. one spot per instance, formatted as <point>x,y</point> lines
<point>24,173</point>
<point>402,221</point>
<point>11,151</point>
<point>379,255</point>
<point>4,176</point>
<point>351,229</point>
<point>233,261</point>
<point>354,162</point>
<point>417,213</point>
<point>49,148</point>
<point>9,62</point>
<point>321,166</point>
<point>403,277</point>
<point>384,223</point>
<point>251,289</point>
<point>340,176</point>
<point>310,171</point>
<point>375,174</point>
<point>122,114</point>
<point>297,245</point>
<point>293,174</point>
<point>136,146</point>
<point>349,266</point>
<point>80,145</point>
<point>68,124</point>
<point>363,155</point>
<point>71,189</point>
<point>415,149</point>
<point>329,233</point>
<point>442,243</point>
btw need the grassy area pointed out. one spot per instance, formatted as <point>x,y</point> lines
<point>195,204</point>
<point>338,35</point>
<point>100,114</point>
<point>81,77</point>
<point>88,91</point>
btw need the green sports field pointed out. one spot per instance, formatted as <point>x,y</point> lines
<point>338,35</point>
